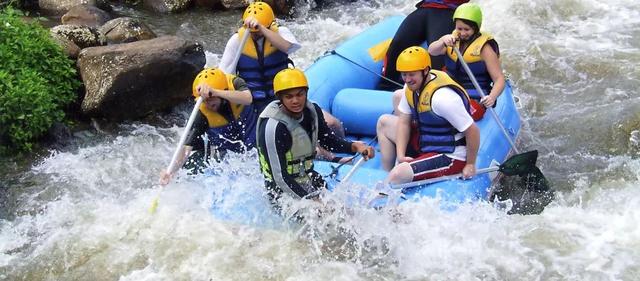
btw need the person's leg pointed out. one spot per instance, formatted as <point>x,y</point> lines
<point>386,131</point>
<point>400,174</point>
<point>397,96</point>
<point>429,165</point>
<point>410,33</point>
<point>439,22</point>
<point>333,123</point>
<point>336,127</point>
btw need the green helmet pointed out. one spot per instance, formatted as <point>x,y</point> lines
<point>469,11</point>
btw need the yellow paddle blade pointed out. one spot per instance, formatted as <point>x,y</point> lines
<point>378,51</point>
<point>154,205</point>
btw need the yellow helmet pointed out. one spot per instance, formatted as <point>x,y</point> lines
<point>260,11</point>
<point>289,78</point>
<point>213,77</point>
<point>413,58</point>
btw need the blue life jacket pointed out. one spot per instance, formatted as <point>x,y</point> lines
<point>473,59</point>
<point>258,68</point>
<point>436,133</point>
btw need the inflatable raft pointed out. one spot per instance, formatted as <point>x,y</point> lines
<point>343,82</point>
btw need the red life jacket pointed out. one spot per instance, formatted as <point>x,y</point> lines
<point>442,4</point>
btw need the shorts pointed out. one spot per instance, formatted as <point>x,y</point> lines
<point>433,165</point>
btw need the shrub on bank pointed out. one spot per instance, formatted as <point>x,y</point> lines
<point>36,81</point>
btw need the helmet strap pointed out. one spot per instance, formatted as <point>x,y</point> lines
<point>425,77</point>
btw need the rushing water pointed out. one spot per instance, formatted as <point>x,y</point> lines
<point>80,212</point>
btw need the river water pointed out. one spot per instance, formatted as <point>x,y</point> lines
<point>80,212</point>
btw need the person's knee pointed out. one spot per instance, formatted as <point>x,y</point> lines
<point>385,122</point>
<point>333,123</point>
<point>401,173</point>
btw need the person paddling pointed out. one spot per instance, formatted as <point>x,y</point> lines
<point>288,131</point>
<point>225,121</point>
<point>265,54</point>
<point>479,50</point>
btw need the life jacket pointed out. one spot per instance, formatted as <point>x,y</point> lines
<point>303,148</point>
<point>225,132</point>
<point>258,68</point>
<point>473,59</point>
<point>441,4</point>
<point>436,133</point>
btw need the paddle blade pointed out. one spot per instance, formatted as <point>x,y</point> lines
<point>535,180</point>
<point>536,194</point>
<point>520,164</point>
<point>379,51</point>
<point>154,205</point>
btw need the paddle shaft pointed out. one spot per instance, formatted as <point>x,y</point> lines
<point>236,57</point>
<point>183,138</point>
<point>481,92</point>
<point>443,178</point>
<point>353,170</point>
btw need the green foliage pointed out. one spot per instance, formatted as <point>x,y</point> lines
<point>36,81</point>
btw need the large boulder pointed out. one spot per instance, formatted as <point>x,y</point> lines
<point>167,6</point>
<point>210,4</point>
<point>83,36</point>
<point>59,7</point>
<point>125,30</point>
<point>235,4</point>
<point>68,47</point>
<point>127,81</point>
<point>281,7</point>
<point>85,15</point>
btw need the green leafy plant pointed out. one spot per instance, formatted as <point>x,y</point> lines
<point>36,81</point>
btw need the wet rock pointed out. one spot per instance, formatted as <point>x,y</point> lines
<point>130,80</point>
<point>59,7</point>
<point>83,36</point>
<point>235,4</point>
<point>85,15</point>
<point>281,7</point>
<point>167,6</point>
<point>211,4</point>
<point>125,30</point>
<point>68,47</point>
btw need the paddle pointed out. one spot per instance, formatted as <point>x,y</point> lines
<point>176,154</point>
<point>352,171</point>
<point>481,92</point>
<point>534,189</point>
<point>192,117</point>
<point>520,164</point>
<point>532,178</point>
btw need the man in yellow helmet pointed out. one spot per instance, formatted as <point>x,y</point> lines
<point>444,139</point>
<point>225,117</point>
<point>265,53</point>
<point>288,131</point>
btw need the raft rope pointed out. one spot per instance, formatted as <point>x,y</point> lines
<point>333,52</point>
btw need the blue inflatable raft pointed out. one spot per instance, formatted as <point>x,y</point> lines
<point>343,82</point>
